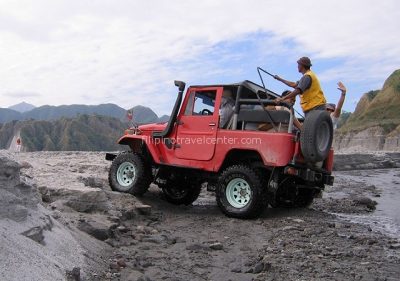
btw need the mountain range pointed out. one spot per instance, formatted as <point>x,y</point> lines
<point>22,107</point>
<point>374,125</point>
<point>70,127</point>
<point>141,114</point>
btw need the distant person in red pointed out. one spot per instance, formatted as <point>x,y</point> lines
<point>18,144</point>
<point>129,115</point>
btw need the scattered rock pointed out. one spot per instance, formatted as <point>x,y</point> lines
<point>121,262</point>
<point>92,181</point>
<point>144,209</point>
<point>25,165</point>
<point>289,227</point>
<point>395,246</point>
<point>74,274</point>
<point>128,214</point>
<point>98,230</point>
<point>56,214</point>
<point>36,234</point>
<point>258,268</point>
<point>88,201</point>
<point>236,270</point>
<point>338,225</point>
<point>153,239</point>
<point>122,229</point>
<point>114,266</point>
<point>216,246</point>
<point>365,201</point>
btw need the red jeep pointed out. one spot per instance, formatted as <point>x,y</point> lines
<point>248,168</point>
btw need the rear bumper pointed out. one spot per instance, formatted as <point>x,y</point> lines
<point>309,175</point>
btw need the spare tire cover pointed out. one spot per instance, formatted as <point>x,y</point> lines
<point>316,136</point>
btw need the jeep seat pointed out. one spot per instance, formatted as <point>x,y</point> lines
<point>260,116</point>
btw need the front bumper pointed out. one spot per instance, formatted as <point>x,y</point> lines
<point>110,156</point>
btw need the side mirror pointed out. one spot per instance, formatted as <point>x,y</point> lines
<point>181,85</point>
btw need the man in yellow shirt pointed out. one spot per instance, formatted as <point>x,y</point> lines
<point>308,87</point>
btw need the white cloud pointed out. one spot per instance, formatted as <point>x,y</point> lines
<point>129,52</point>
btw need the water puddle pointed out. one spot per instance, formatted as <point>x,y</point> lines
<point>386,217</point>
<point>381,224</point>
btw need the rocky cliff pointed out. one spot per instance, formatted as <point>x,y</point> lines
<point>375,123</point>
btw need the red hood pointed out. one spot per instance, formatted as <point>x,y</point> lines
<point>153,127</point>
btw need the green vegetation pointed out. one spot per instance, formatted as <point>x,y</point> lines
<point>343,118</point>
<point>377,108</point>
<point>372,94</point>
<point>7,115</point>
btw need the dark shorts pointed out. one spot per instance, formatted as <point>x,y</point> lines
<point>318,107</point>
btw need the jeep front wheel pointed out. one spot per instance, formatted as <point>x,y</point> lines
<point>240,192</point>
<point>128,173</point>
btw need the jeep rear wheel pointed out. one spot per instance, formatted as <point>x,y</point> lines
<point>289,195</point>
<point>241,192</point>
<point>129,173</point>
<point>178,192</point>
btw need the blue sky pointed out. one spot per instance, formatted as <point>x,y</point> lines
<point>129,52</point>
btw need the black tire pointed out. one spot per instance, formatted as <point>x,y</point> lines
<point>304,198</point>
<point>234,206</point>
<point>316,136</point>
<point>178,192</point>
<point>288,195</point>
<point>129,173</point>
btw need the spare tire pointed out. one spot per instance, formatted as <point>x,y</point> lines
<point>316,136</point>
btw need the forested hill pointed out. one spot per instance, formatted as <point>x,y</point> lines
<point>375,123</point>
<point>84,133</point>
<point>377,108</point>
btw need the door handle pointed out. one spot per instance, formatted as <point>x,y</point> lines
<point>212,124</point>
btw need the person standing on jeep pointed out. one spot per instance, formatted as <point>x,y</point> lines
<point>336,110</point>
<point>308,87</point>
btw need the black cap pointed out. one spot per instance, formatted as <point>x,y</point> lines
<point>304,61</point>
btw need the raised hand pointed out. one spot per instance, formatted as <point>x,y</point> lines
<point>341,87</point>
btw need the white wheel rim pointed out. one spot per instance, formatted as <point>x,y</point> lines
<point>238,193</point>
<point>126,175</point>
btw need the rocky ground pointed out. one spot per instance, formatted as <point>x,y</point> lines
<point>120,237</point>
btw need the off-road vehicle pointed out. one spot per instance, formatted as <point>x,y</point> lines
<point>247,167</point>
